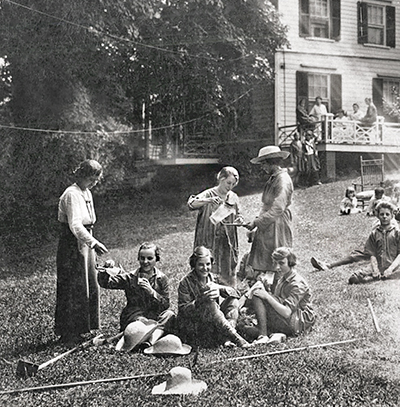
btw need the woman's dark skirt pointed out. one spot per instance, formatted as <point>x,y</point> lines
<point>77,307</point>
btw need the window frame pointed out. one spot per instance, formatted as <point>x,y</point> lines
<point>308,22</point>
<point>334,89</point>
<point>388,25</point>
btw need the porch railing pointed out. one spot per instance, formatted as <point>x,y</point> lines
<point>333,131</point>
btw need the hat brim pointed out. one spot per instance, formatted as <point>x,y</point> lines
<point>122,346</point>
<point>278,154</point>
<point>185,350</point>
<point>195,387</point>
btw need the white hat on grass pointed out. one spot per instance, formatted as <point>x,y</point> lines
<point>180,382</point>
<point>168,345</point>
<point>136,333</point>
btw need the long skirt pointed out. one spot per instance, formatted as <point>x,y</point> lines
<point>77,307</point>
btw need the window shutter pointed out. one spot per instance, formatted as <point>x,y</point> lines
<point>377,94</point>
<point>390,26</point>
<point>336,93</point>
<point>302,86</point>
<point>335,15</point>
<point>304,18</point>
<point>362,13</point>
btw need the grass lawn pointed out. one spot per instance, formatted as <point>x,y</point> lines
<point>364,373</point>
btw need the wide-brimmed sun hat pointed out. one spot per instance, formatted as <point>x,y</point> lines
<point>180,382</point>
<point>168,345</point>
<point>136,333</point>
<point>269,152</point>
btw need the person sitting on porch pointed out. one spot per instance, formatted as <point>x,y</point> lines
<point>305,121</point>
<point>340,117</point>
<point>370,117</point>
<point>356,114</point>
<point>318,110</point>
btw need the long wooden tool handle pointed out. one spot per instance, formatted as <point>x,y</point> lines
<point>278,352</point>
<point>374,318</point>
<point>68,352</point>
<point>73,384</point>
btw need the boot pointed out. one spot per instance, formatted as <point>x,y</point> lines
<point>229,331</point>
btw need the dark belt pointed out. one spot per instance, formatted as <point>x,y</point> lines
<point>88,227</point>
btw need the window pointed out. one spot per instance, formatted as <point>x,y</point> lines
<point>320,19</point>
<point>391,90</point>
<point>376,24</point>
<point>309,85</point>
<point>318,86</point>
<point>384,89</point>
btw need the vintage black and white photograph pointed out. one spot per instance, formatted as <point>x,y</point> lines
<point>200,203</point>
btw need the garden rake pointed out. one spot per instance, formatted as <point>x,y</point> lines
<point>26,368</point>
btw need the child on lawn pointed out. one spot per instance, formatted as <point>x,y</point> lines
<point>382,248</point>
<point>349,202</point>
<point>146,290</point>
<point>220,236</point>
<point>207,310</point>
<point>379,196</point>
<point>288,309</point>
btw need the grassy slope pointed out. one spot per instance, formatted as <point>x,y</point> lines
<point>361,374</point>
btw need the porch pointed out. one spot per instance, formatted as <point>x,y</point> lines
<point>347,136</point>
<point>181,149</point>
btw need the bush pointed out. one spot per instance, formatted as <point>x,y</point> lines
<point>39,166</point>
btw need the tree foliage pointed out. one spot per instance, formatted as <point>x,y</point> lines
<point>91,66</point>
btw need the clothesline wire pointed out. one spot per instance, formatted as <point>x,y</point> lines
<point>121,131</point>
<point>115,37</point>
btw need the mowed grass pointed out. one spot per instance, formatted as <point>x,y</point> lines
<point>362,373</point>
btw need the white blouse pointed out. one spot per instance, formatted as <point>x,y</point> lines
<point>76,208</point>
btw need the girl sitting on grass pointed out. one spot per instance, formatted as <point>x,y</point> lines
<point>288,309</point>
<point>349,202</point>
<point>146,289</point>
<point>207,310</point>
<point>221,237</point>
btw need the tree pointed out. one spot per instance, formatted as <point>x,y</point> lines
<point>88,65</point>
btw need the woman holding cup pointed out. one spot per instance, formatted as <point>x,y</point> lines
<point>218,215</point>
<point>206,308</point>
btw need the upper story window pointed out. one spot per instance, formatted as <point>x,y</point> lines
<point>376,24</point>
<point>320,19</point>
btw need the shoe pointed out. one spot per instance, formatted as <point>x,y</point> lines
<point>319,265</point>
<point>277,338</point>
<point>261,340</point>
<point>229,344</point>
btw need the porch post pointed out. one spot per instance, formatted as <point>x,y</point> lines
<point>329,172</point>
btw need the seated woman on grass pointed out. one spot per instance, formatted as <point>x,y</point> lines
<point>146,289</point>
<point>288,309</point>
<point>207,310</point>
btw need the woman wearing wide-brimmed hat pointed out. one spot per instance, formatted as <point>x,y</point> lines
<point>273,225</point>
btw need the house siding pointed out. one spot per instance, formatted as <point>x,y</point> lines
<point>263,111</point>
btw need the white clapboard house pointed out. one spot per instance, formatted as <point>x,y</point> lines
<point>343,51</point>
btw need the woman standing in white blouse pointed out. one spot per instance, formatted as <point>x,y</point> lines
<point>77,308</point>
